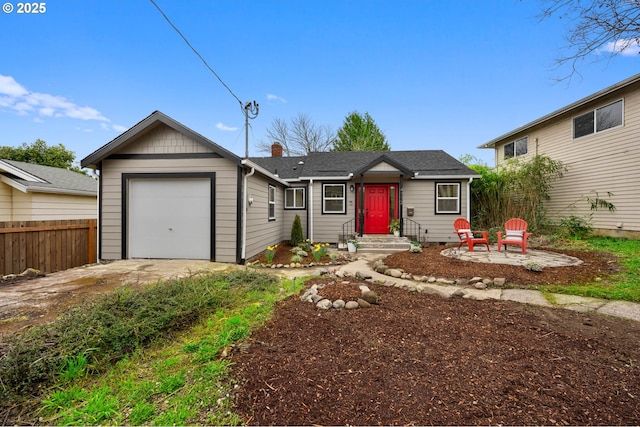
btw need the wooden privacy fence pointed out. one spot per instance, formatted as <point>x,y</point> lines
<point>47,246</point>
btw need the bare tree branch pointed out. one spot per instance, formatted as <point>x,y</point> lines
<point>599,30</point>
<point>299,138</point>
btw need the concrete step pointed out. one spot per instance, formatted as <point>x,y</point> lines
<point>383,243</point>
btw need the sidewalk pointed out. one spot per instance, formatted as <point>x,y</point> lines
<point>362,267</point>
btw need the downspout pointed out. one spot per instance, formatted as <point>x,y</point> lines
<point>469,199</point>
<point>311,210</point>
<point>244,213</point>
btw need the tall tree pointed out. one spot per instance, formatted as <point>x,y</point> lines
<point>360,133</point>
<point>302,136</point>
<point>596,26</point>
<point>40,153</point>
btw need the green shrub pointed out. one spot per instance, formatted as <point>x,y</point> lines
<point>89,338</point>
<point>297,236</point>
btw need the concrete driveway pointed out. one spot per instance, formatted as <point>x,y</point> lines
<point>29,302</point>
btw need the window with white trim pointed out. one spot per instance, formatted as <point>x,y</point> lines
<point>447,197</point>
<point>516,148</point>
<point>272,202</point>
<point>333,198</point>
<point>294,198</point>
<point>598,120</point>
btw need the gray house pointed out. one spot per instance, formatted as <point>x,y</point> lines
<point>168,192</point>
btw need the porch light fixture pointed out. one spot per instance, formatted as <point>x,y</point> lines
<point>352,188</point>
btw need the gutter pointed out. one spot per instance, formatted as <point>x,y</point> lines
<point>245,179</point>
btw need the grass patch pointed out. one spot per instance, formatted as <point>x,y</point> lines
<point>624,285</point>
<point>169,372</point>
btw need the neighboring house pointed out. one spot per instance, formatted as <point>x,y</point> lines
<point>597,138</point>
<point>168,192</point>
<point>31,192</point>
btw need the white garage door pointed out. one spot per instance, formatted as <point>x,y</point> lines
<point>169,218</point>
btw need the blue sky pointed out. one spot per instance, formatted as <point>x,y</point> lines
<point>447,75</point>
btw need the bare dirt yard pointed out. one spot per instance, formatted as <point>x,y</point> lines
<point>423,360</point>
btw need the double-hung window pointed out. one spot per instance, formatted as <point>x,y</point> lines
<point>294,198</point>
<point>447,198</point>
<point>333,198</point>
<point>598,120</point>
<point>516,148</point>
<point>272,203</point>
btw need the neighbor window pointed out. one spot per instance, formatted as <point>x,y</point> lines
<point>447,198</point>
<point>516,148</point>
<point>333,198</point>
<point>272,202</point>
<point>294,198</point>
<point>597,120</point>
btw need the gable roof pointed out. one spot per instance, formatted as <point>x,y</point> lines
<point>33,178</point>
<point>145,125</point>
<point>419,164</point>
<point>565,110</point>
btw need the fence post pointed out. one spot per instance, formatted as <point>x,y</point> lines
<point>92,242</point>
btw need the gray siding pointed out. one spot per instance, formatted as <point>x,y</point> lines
<point>420,194</point>
<point>261,231</point>
<point>290,214</point>
<point>226,191</point>
<point>601,162</point>
<point>328,227</point>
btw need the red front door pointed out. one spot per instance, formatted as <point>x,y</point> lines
<point>376,209</point>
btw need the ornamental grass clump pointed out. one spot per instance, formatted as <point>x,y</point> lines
<point>270,253</point>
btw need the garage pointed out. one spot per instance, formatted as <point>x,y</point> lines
<point>169,216</point>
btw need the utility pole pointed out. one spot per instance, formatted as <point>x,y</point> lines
<point>250,112</point>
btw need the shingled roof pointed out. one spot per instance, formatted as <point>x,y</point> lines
<point>423,164</point>
<point>29,177</point>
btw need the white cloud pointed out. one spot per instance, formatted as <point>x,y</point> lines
<point>272,97</point>
<point>624,47</point>
<point>17,98</point>
<point>8,86</point>
<point>224,127</point>
<point>119,128</point>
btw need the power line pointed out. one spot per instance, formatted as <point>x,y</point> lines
<point>196,52</point>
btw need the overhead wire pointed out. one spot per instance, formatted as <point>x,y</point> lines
<point>196,52</point>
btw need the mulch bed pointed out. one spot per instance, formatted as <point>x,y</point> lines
<point>420,359</point>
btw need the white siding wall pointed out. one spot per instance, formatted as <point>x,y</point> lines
<point>225,192</point>
<point>5,202</point>
<point>602,162</point>
<point>18,206</point>
<point>59,206</point>
<point>262,232</point>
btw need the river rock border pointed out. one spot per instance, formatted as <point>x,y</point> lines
<point>477,282</point>
<point>314,295</point>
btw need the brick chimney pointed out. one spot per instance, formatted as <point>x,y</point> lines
<point>276,149</point>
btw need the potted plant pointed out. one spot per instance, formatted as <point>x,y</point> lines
<point>394,227</point>
<point>352,245</point>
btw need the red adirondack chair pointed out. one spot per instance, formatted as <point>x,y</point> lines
<point>462,228</point>
<point>515,234</point>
